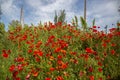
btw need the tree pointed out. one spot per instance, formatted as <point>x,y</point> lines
<point>83,23</point>
<point>61,17</point>
<point>14,24</point>
<point>93,22</point>
<point>2,28</point>
<point>4,42</point>
<point>75,21</point>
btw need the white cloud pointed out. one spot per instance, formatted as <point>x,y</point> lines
<point>10,11</point>
<point>105,13</point>
<point>46,12</point>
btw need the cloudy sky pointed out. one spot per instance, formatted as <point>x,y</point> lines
<point>104,11</point>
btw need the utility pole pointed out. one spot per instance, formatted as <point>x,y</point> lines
<point>118,24</point>
<point>22,17</point>
<point>119,10</point>
<point>85,10</point>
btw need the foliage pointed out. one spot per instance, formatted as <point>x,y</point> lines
<point>2,28</point>
<point>4,42</point>
<point>83,23</point>
<point>14,24</point>
<point>61,17</point>
<point>75,21</point>
<point>60,52</point>
<point>93,23</point>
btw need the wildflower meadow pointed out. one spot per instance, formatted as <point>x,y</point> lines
<point>59,51</point>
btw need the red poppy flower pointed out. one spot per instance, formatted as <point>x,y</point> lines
<point>94,26</point>
<point>37,59</point>
<point>27,77</point>
<point>17,78</point>
<point>108,77</point>
<point>100,69</point>
<point>20,67</point>
<point>105,54</point>
<point>59,62</point>
<point>99,63</point>
<point>89,50</point>
<point>112,52</point>
<point>59,78</point>
<point>35,73</point>
<point>86,56</point>
<point>51,58</point>
<point>24,37</point>
<point>40,53</point>
<point>81,73</point>
<point>12,68</point>
<point>90,69</point>
<point>31,46</point>
<point>73,53</point>
<point>112,29</point>
<point>39,42</point>
<point>59,57</point>
<point>52,69</point>
<point>50,39</point>
<point>57,50</point>
<point>94,30</point>
<point>28,42</point>
<point>100,78</point>
<point>63,45</point>
<point>15,73</point>
<point>9,51</point>
<point>104,44</point>
<point>37,45</point>
<point>113,44</point>
<point>5,55</point>
<point>91,77</point>
<point>64,66</point>
<point>19,59</point>
<point>30,51</point>
<point>3,51</point>
<point>48,79</point>
<point>75,61</point>
<point>36,52</point>
<point>63,51</point>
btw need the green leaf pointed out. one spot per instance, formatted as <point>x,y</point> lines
<point>83,23</point>
<point>93,23</point>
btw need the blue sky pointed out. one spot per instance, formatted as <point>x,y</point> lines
<point>104,11</point>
